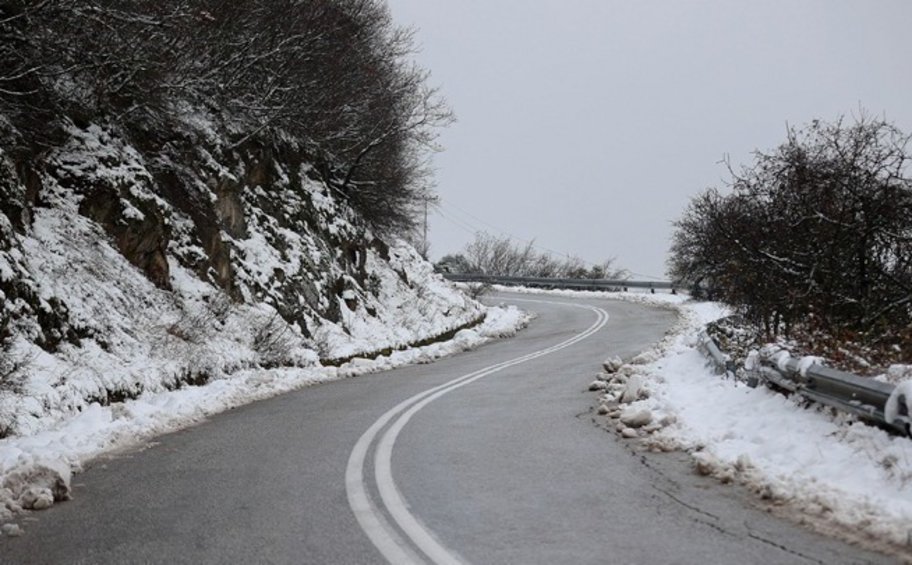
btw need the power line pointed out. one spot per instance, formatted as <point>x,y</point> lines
<point>453,210</point>
<point>458,223</point>
<point>468,222</point>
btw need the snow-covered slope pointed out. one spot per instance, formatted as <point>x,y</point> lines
<point>129,276</point>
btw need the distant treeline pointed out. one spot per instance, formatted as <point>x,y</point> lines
<point>332,75</point>
<point>501,256</point>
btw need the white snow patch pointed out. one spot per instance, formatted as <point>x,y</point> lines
<point>902,395</point>
<point>834,467</point>
<point>807,362</point>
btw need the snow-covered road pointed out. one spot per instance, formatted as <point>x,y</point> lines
<point>506,469</point>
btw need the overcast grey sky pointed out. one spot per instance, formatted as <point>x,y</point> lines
<point>588,124</point>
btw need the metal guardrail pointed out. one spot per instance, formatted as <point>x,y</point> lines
<point>572,284</point>
<point>864,397</point>
<point>721,361</point>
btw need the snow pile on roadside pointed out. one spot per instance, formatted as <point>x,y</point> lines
<point>35,469</point>
<point>274,272</point>
<point>828,466</point>
<point>129,306</point>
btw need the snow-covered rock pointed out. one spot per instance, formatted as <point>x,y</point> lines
<point>633,389</point>
<point>613,364</point>
<point>901,396</point>
<point>636,417</point>
<point>37,485</point>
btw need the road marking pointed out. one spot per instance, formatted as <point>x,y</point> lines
<point>378,529</point>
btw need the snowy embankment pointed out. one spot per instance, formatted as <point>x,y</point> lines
<point>832,469</point>
<point>138,295</point>
<point>35,470</point>
<point>827,465</point>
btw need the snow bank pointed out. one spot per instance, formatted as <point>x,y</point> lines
<point>825,465</point>
<point>135,301</point>
<point>829,466</point>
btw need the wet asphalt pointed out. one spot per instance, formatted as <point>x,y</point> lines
<point>512,468</point>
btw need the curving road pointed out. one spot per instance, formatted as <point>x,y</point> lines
<point>490,456</point>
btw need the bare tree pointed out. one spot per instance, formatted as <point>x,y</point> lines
<point>491,255</point>
<point>334,75</point>
<point>816,232</point>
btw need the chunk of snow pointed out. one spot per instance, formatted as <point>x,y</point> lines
<point>704,463</point>
<point>781,359</point>
<point>901,395</point>
<point>807,362</point>
<point>632,389</point>
<point>36,498</point>
<point>636,417</point>
<point>37,485</point>
<point>613,364</point>
<point>752,362</point>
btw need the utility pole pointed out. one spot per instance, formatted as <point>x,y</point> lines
<point>425,244</point>
<point>428,198</point>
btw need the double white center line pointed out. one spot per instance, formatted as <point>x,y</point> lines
<point>416,544</point>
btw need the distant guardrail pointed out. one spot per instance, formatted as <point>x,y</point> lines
<point>874,402</point>
<point>570,284</point>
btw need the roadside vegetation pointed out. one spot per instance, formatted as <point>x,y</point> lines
<point>205,187</point>
<point>812,243</point>
<point>333,75</point>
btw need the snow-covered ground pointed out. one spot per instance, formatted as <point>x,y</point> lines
<point>35,469</point>
<point>832,468</point>
<point>128,309</point>
<point>828,465</point>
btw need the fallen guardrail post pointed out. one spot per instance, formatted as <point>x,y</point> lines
<point>721,361</point>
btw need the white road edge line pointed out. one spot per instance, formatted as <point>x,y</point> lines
<point>377,528</point>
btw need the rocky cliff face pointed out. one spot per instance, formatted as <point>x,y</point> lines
<point>130,266</point>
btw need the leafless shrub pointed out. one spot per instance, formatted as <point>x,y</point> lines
<point>197,321</point>
<point>274,340</point>
<point>322,345</point>
<point>501,256</point>
<point>815,235</point>
<point>477,289</point>
<point>12,363</point>
<point>219,304</point>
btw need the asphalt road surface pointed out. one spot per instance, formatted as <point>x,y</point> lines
<point>490,456</point>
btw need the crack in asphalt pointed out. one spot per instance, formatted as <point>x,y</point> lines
<point>781,547</point>
<point>684,504</point>
<point>721,529</point>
